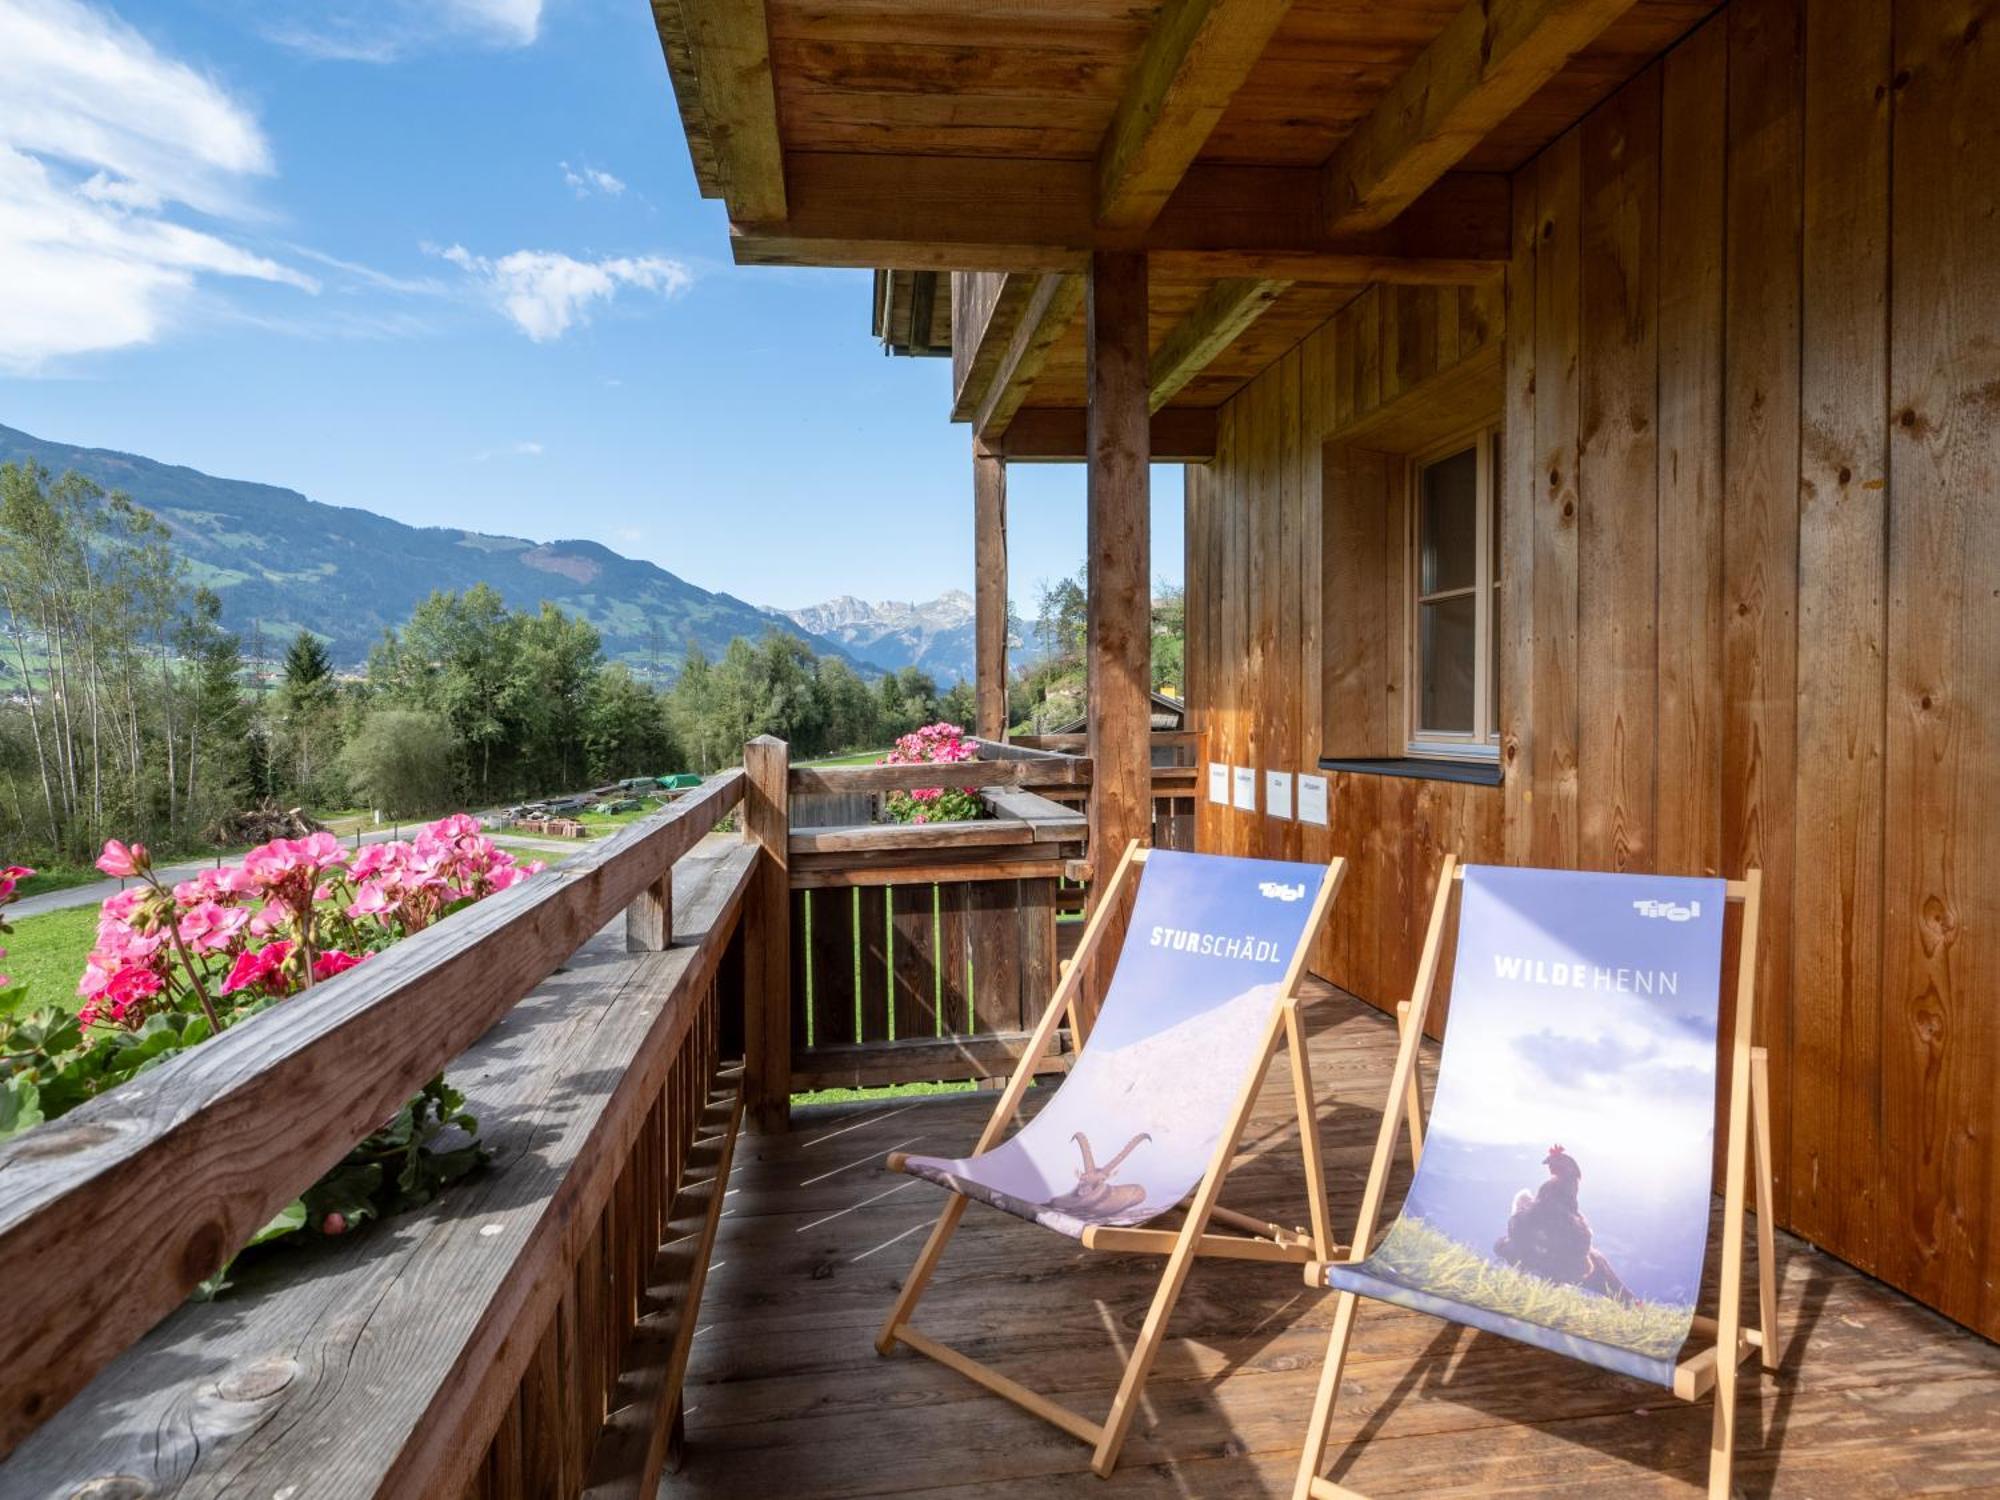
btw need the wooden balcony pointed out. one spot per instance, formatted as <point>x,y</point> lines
<point>786,1395</point>
<point>667,1282</point>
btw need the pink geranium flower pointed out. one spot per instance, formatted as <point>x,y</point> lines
<point>209,927</point>
<point>123,860</point>
<point>123,998</point>
<point>258,968</point>
<point>333,962</point>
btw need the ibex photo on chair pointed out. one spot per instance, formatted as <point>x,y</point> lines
<point>1205,990</point>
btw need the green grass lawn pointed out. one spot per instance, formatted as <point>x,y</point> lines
<point>524,853</point>
<point>889,1091</point>
<point>57,877</point>
<point>858,758</point>
<point>347,820</point>
<point>45,958</point>
<point>608,822</point>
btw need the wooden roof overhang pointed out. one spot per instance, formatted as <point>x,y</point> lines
<point>1271,157</point>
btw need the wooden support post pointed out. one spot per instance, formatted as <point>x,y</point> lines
<point>649,920</point>
<point>989,545</point>
<point>1120,629</point>
<point>767,955</point>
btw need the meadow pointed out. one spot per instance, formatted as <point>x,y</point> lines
<point>1425,1258</point>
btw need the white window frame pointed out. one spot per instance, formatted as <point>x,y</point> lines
<point>1483,743</point>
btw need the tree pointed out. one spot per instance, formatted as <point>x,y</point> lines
<point>309,670</point>
<point>400,760</point>
<point>115,700</point>
<point>959,706</point>
<point>850,713</point>
<point>909,701</point>
<point>219,768</point>
<point>626,730</point>
<point>1170,637</point>
<point>307,724</point>
<point>1062,616</point>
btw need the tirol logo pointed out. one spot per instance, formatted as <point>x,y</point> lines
<point>1273,890</point>
<point>1672,911</point>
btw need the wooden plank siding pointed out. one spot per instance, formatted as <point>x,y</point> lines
<point>1749,543</point>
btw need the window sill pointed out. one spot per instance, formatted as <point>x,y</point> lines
<point>1419,767</point>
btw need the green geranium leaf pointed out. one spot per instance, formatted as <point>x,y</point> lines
<point>20,1106</point>
<point>291,1217</point>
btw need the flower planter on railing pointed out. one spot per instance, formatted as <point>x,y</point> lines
<point>925,951</point>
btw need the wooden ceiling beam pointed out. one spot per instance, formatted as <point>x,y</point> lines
<point>1196,57</point>
<point>719,57</point>
<point>1210,326</point>
<point>990,214</point>
<point>1489,60</point>
<point>1056,434</point>
<point>1057,298</point>
<point>988,337</point>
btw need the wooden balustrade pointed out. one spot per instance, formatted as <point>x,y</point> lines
<point>526,1334</point>
<point>925,951</point>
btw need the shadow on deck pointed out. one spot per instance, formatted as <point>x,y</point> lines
<point>786,1396</point>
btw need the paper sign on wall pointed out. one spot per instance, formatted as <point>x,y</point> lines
<point>1246,788</point>
<point>1312,800</point>
<point>1278,793</point>
<point>1218,783</point>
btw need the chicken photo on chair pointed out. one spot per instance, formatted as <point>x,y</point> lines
<point>1563,1194</point>
<point>1548,1236</point>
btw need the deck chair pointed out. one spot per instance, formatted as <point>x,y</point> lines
<point>1205,989</point>
<point>1581,1043</point>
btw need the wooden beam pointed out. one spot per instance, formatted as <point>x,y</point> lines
<point>1211,325</point>
<point>679,49</point>
<point>983,320</point>
<point>989,550</point>
<point>1487,62</point>
<point>1195,59</point>
<point>767,962</point>
<point>719,57</point>
<point>989,214</point>
<point>1056,434</point>
<point>1047,316</point>
<point>1119,637</point>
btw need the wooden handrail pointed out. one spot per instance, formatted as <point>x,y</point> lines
<point>1028,771</point>
<point>112,1215</point>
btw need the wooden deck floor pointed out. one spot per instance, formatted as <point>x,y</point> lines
<point>787,1398</point>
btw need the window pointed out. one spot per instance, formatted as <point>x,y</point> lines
<point>1454,592</point>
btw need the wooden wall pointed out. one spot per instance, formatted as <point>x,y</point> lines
<point>1750,578</point>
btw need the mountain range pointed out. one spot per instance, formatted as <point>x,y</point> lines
<point>936,637</point>
<point>282,562</point>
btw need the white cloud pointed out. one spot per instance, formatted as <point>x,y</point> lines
<point>516,21</point>
<point>583,181</point>
<point>382,31</point>
<point>526,449</point>
<point>545,292</point>
<point>102,138</point>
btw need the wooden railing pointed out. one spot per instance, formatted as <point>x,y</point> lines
<point>1176,768</point>
<point>526,1333</point>
<point>925,951</point>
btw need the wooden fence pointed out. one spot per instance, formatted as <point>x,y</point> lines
<point>526,1334</point>
<point>924,951</point>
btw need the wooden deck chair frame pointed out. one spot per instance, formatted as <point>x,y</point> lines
<point>1254,1239</point>
<point>1695,1375</point>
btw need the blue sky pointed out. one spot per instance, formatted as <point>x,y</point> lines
<point>445,259</point>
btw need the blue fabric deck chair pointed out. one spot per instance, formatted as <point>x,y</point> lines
<point>1563,1192</point>
<point>1205,989</point>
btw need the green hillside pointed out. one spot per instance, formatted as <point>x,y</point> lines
<point>282,562</point>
